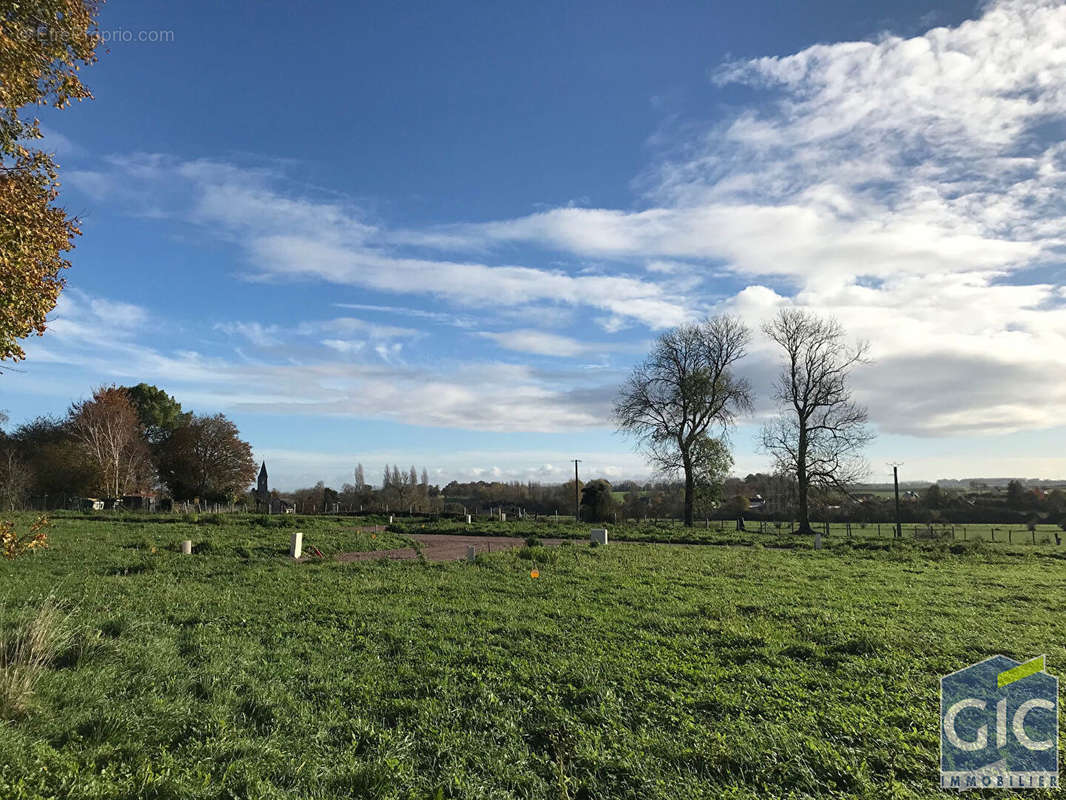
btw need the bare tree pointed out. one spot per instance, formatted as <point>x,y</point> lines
<point>109,431</point>
<point>821,431</point>
<point>14,474</point>
<point>681,391</point>
<point>15,477</point>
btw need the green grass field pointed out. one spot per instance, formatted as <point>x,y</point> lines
<point>631,671</point>
<point>725,531</point>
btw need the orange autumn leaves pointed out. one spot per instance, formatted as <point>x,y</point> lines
<point>34,235</point>
<point>13,545</point>
<point>43,44</point>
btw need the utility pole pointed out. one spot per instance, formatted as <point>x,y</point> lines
<point>577,493</point>
<point>895,481</point>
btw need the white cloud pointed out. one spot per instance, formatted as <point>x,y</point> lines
<point>288,237</point>
<point>94,320</point>
<point>455,320</point>
<point>344,346</point>
<point>487,396</point>
<point>255,332</point>
<point>795,240</point>
<point>529,340</point>
<point>56,143</point>
<point>370,330</point>
<point>297,338</point>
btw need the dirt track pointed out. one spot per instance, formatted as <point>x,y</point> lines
<point>442,547</point>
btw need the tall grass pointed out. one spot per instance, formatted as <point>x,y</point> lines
<point>27,647</point>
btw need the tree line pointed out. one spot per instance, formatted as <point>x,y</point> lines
<point>124,441</point>
<point>400,490</point>
<point>408,490</point>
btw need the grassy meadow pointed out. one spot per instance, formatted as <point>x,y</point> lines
<point>632,671</point>
<point>770,534</point>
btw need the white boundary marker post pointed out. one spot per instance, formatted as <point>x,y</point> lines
<point>296,547</point>
<point>186,547</point>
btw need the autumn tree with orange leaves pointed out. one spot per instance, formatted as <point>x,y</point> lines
<point>43,44</point>
<point>111,436</point>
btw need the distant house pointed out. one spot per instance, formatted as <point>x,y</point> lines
<point>756,503</point>
<point>279,506</point>
<point>90,504</point>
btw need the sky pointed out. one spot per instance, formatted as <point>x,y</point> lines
<point>442,234</point>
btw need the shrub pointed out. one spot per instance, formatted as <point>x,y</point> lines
<point>275,521</point>
<point>533,541</point>
<point>538,554</point>
<point>13,545</point>
<point>970,547</point>
<point>26,650</point>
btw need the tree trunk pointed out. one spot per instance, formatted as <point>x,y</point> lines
<point>804,513</point>
<point>803,483</point>
<point>690,493</point>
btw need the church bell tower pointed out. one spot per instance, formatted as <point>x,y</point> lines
<point>262,492</point>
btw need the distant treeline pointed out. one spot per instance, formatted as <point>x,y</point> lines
<point>1018,504</point>
<point>131,442</point>
<point>758,496</point>
<point>404,490</point>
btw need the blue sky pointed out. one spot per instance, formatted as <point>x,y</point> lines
<point>441,234</point>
